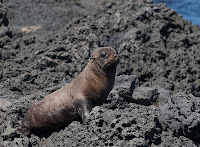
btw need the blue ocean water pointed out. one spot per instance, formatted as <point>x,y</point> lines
<point>189,9</point>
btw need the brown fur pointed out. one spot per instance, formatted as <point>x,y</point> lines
<point>91,87</point>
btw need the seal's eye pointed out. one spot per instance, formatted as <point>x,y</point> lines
<point>104,55</point>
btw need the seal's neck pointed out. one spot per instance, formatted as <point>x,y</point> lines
<point>106,73</point>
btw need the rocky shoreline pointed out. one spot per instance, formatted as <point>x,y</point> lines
<point>45,44</point>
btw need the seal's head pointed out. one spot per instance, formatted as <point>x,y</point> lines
<point>106,58</point>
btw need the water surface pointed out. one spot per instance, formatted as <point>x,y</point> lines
<point>190,9</point>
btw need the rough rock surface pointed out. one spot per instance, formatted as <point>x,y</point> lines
<point>45,43</point>
<point>144,95</point>
<point>118,122</point>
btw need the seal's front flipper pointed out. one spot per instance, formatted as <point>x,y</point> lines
<point>84,110</point>
<point>24,130</point>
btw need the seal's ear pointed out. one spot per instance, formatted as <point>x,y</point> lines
<point>92,58</point>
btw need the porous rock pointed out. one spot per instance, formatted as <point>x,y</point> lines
<point>154,43</point>
<point>144,95</point>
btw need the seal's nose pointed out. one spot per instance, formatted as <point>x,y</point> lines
<point>116,56</point>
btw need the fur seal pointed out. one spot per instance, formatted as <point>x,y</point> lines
<point>74,101</point>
